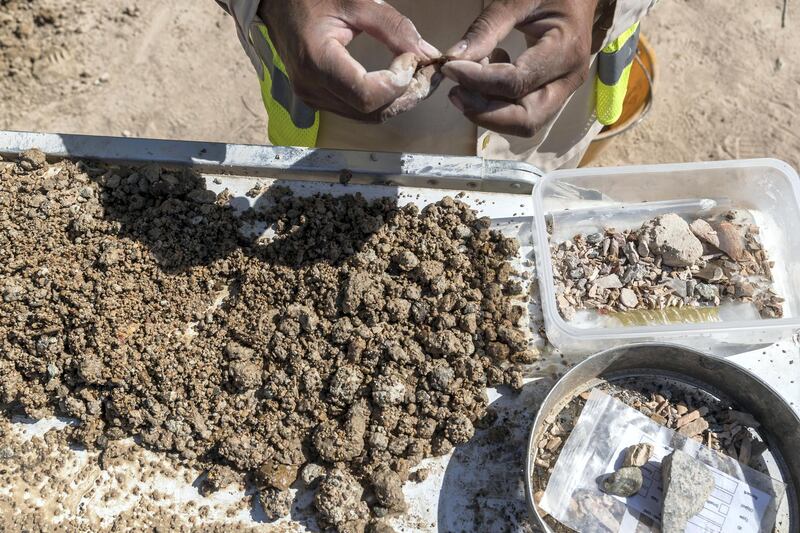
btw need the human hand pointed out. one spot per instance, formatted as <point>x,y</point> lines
<point>519,98</point>
<point>311,38</point>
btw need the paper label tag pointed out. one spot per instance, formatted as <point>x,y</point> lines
<point>734,506</point>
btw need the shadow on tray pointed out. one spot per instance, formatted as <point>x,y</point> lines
<point>183,224</point>
<point>484,485</point>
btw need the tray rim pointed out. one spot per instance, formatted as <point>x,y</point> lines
<point>472,174</point>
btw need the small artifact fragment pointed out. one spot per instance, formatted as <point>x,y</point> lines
<point>628,298</point>
<point>705,232</point>
<point>689,417</point>
<point>694,428</point>
<point>553,444</point>
<point>687,485</point>
<point>670,236</point>
<point>638,454</point>
<point>731,241</point>
<point>625,482</point>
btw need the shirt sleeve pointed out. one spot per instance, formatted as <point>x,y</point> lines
<point>244,13</point>
<point>624,13</point>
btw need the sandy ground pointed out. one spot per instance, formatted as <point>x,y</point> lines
<point>729,77</point>
<point>146,68</point>
<point>729,84</point>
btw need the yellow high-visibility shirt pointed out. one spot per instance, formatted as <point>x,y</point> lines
<point>436,126</point>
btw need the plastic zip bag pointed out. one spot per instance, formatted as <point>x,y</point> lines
<point>743,500</point>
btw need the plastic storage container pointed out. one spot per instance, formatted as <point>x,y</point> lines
<point>588,200</point>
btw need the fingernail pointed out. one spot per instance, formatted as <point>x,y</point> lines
<point>457,50</point>
<point>429,50</point>
<point>456,102</point>
<point>447,71</point>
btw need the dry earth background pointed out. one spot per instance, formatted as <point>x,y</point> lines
<point>729,76</point>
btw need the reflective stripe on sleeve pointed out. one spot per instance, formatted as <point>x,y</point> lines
<point>611,64</point>
<point>291,122</point>
<point>613,72</point>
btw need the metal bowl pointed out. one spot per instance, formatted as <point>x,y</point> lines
<point>780,425</point>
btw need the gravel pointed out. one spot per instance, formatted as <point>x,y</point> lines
<point>640,274</point>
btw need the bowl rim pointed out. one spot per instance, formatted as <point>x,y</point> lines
<point>556,397</point>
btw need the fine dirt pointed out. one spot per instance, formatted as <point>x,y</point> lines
<point>74,490</point>
<point>176,70</point>
<point>360,337</point>
<point>126,67</point>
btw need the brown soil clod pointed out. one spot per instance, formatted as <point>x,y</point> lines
<point>360,338</point>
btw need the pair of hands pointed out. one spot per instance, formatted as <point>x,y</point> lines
<point>515,98</point>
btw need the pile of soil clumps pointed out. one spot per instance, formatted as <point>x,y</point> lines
<point>341,351</point>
